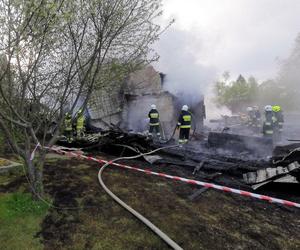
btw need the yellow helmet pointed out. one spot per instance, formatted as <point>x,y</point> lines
<point>276,108</point>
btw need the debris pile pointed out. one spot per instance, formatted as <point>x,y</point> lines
<point>284,170</point>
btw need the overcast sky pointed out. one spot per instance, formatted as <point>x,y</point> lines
<point>250,37</point>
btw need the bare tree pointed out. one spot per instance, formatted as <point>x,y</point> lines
<point>54,52</point>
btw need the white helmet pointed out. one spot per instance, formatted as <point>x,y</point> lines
<point>153,106</point>
<point>185,107</point>
<point>268,108</point>
<point>249,109</point>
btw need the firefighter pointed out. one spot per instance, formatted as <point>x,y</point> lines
<point>184,123</point>
<point>268,125</point>
<point>250,119</point>
<point>257,119</point>
<point>80,120</point>
<point>154,121</point>
<point>68,127</point>
<point>279,120</point>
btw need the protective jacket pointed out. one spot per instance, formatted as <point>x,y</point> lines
<point>269,123</point>
<point>68,123</point>
<point>257,120</point>
<point>257,115</point>
<point>185,119</point>
<point>254,122</point>
<point>279,120</point>
<point>80,121</point>
<point>154,117</point>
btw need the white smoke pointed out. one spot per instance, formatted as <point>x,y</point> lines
<point>209,37</point>
<point>180,60</point>
<point>186,77</point>
<point>214,111</point>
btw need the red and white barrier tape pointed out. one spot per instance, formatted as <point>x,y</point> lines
<point>189,181</point>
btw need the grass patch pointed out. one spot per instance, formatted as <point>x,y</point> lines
<point>20,218</point>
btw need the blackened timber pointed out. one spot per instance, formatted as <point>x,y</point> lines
<point>188,157</point>
<point>196,194</point>
<point>239,143</point>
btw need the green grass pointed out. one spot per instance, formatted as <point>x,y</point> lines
<point>20,219</point>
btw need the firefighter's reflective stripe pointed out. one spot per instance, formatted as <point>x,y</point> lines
<point>183,141</point>
<point>280,123</point>
<point>269,132</point>
<point>154,124</point>
<point>187,118</point>
<point>185,126</point>
<point>268,123</point>
<point>153,115</point>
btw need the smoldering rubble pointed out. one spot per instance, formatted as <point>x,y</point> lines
<point>118,123</point>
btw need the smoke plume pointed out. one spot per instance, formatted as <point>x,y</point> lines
<point>180,54</point>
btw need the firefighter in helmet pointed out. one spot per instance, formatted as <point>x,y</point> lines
<point>80,120</point>
<point>279,120</point>
<point>154,127</point>
<point>257,119</point>
<point>184,124</point>
<point>68,127</point>
<point>250,118</point>
<point>269,122</point>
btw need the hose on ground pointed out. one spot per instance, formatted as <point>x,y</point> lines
<point>155,229</point>
<point>172,135</point>
<point>194,122</point>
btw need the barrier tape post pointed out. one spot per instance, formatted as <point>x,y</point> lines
<point>189,181</point>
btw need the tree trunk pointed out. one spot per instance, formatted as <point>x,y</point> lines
<point>39,172</point>
<point>35,173</point>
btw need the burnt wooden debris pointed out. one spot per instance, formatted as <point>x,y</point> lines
<point>228,164</point>
<point>221,153</point>
<point>199,191</point>
<point>116,141</point>
<point>285,169</point>
<point>259,146</point>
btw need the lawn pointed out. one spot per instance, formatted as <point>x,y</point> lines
<point>20,220</point>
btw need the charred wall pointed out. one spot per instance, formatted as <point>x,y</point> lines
<point>128,105</point>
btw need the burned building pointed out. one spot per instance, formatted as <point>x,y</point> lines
<point>127,105</point>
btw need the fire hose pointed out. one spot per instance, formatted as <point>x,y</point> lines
<point>155,229</point>
<point>185,180</point>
